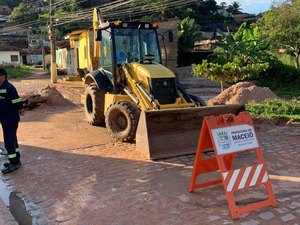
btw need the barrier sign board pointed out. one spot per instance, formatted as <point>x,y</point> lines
<point>229,135</point>
<point>234,138</point>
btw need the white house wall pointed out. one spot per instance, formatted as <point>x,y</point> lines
<point>5,57</point>
<point>35,59</point>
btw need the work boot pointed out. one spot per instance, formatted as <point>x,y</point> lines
<point>7,164</point>
<point>10,168</point>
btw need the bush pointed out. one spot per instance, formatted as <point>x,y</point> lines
<point>22,71</point>
<point>280,72</point>
<point>276,108</point>
<point>281,78</point>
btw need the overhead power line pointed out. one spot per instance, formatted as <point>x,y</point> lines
<point>138,10</point>
<point>110,11</point>
<point>21,26</point>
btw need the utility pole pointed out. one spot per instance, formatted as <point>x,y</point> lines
<point>43,48</point>
<point>53,68</point>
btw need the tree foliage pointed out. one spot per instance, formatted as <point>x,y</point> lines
<point>234,8</point>
<point>68,6</point>
<point>19,12</point>
<point>188,33</point>
<point>202,11</point>
<point>239,56</point>
<point>281,26</point>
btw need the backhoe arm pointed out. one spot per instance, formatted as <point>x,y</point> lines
<point>146,101</point>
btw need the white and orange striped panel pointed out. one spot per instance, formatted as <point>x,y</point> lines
<point>245,177</point>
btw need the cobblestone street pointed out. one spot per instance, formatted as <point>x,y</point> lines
<point>70,179</point>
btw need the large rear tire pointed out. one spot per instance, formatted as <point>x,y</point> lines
<point>122,120</point>
<point>199,101</point>
<point>94,105</point>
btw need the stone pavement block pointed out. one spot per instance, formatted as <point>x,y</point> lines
<point>5,216</point>
<point>287,217</point>
<point>283,199</point>
<point>294,205</point>
<point>225,222</point>
<point>213,218</point>
<point>266,215</point>
<point>250,222</point>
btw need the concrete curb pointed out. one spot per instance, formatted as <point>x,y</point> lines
<point>6,217</point>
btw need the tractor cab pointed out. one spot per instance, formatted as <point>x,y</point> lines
<point>127,42</point>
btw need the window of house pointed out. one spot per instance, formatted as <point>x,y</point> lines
<point>14,58</point>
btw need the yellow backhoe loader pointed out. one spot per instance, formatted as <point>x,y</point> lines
<point>136,97</point>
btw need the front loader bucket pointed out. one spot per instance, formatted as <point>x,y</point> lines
<point>168,133</point>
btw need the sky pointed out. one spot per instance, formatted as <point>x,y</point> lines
<point>251,6</point>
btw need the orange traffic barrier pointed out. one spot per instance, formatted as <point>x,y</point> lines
<point>229,135</point>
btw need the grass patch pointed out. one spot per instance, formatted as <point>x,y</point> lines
<point>286,59</point>
<point>276,108</point>
<point>282,77</point>
<point>282,89</point>
<point>21,71</point>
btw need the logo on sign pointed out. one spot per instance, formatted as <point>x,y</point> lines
<point>223,140</point>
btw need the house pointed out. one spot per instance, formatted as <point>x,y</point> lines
<point>245,17</point>
<point>81,50</point>
<point>168,48</point>
<point>5,11</point>
<point>205,45</point>
<point>10,55</point>
<point>64,55</point>
<point>36,6</point>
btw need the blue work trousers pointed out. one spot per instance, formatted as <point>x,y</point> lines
<point>10,140</point>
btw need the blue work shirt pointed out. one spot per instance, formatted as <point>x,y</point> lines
<point>10,103</point>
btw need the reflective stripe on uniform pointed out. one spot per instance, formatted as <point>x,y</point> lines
<point>3,91</point>
<point>18,149</point>
<point>11,156</point>
<point>16,100</point>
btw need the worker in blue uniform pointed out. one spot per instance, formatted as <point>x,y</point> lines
<point>11,107</point>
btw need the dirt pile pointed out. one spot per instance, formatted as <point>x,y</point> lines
<point>47,95</point>
<point>242,93</point>
<point>53,96</point>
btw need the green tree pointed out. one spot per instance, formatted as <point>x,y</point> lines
<point>20,12</point>
<point>281,26</point>
<point>188,33</point>
<point>234,8</point>
<point>240,56</point>
<point>68,6</point>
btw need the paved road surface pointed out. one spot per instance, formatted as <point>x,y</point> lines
<point>76,174</point>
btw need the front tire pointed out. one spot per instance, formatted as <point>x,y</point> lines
<point>121,120</point>
<point>94,105</point>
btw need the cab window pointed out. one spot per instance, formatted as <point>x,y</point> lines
<point>106,51</point>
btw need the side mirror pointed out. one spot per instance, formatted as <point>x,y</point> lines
<point>171,37</point>
<point>98,35</point>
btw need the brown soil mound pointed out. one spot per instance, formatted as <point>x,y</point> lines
<point>242,93</point>
<point>53,96</point>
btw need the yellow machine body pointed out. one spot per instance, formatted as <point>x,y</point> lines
<point>165,128</point>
